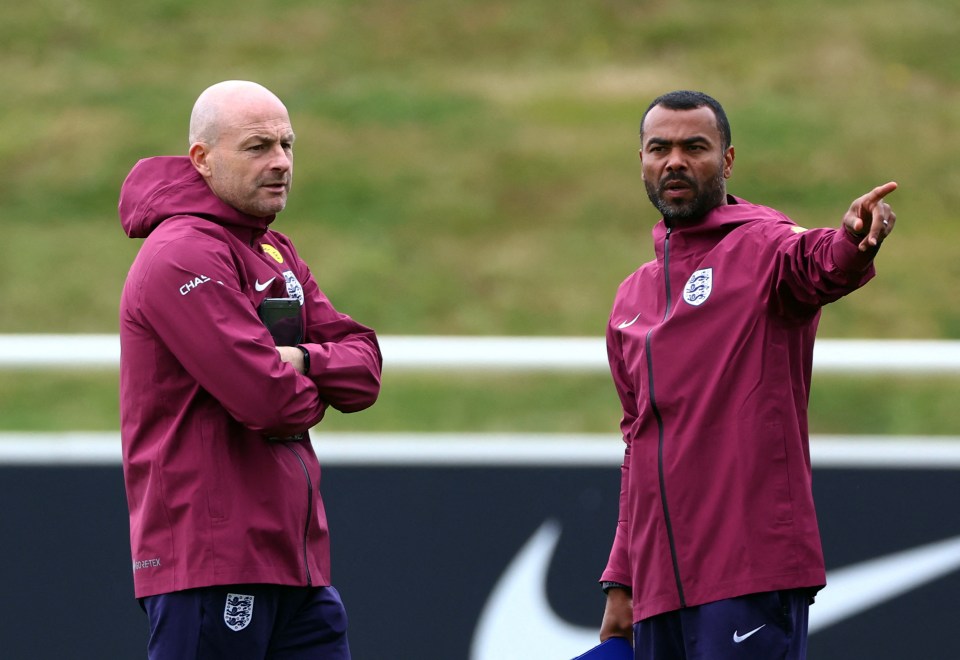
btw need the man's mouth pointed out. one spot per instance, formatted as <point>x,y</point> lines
<point>674,188</point>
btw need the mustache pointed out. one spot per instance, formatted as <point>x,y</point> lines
<point>676,176</point>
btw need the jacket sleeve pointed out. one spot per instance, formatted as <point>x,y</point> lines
<point>618,565</point>
<point>345,359</point>
<point>190,297</point>
<point>815,267</point>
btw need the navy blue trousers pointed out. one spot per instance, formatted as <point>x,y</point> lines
<point>248,622</point>
<point>764,626</point>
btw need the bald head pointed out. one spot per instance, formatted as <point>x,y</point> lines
<point>223,105</point>
<point>241,143</point>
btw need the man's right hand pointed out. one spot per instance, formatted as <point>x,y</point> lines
<point>617,616</point>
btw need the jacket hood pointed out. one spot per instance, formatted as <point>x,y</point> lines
<point>736,211</point>
<point>165,186</point>
<point>723,218</point>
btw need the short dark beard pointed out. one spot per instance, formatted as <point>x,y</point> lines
<point>704,201</point>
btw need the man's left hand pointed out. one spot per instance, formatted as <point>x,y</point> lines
<point>871,218</point>
<point>293,355</point>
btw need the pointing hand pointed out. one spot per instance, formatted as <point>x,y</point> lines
<point>870,217</point>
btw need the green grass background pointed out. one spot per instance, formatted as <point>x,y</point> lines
<point>470,168</point>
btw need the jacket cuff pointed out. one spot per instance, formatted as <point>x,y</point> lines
<point>607,585</point>
<point>306,359</point>
<point>846,253</point>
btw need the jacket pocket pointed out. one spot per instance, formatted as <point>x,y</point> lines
<point>777,475</point>
<point>211,469</point>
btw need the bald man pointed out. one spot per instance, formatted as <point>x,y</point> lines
<point>230,354</point>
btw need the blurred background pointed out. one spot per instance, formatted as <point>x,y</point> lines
<point>470,168</point>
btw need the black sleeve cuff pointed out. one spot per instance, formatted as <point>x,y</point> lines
<point>306,359</point>
<point>608,585</point>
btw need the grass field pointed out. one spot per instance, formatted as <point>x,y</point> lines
<point>470,168</point>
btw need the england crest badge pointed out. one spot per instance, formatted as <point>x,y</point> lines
<point>238,611</point>
<point>698,287</point>
<point>294,289</point>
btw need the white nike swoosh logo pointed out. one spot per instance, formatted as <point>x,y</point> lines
<point>517,620</point>
<point>627,324</point>
<point>261,287</point>
<point>739,638</point>
<point>854,589</point>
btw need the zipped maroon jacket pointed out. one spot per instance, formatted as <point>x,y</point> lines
<point>711,349</point>
<point>213,500</point>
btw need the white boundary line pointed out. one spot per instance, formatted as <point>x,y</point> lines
<point>445,353</point>
<point>482,449</point>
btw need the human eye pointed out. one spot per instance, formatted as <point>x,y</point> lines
<point>698,146</point>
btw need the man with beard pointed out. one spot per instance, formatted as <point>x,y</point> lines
<point>717,552</point>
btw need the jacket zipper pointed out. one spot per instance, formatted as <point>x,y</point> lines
<point>656,412</point>
<point>306,527</point>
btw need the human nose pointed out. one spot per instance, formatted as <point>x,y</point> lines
<point>676,160</point>
<point>280,158</point>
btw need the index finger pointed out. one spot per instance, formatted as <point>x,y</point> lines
<point>878,193</point>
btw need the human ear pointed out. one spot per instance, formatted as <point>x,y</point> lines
<point>728,163</point>
<point>200,157</point>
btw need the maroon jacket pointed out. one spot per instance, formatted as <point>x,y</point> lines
<point>711,348</point>
<point>212,500</point>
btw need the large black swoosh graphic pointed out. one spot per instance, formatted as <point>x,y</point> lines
<point>517,622</point>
